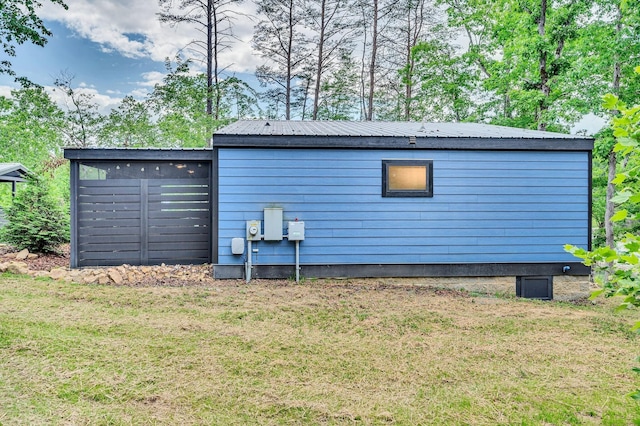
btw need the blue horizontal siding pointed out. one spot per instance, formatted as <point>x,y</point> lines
<point>402,215</point>
<point>347,191</point>
<point>436,206</point>
<point>434,232</point>
<point>487,206</point>
<point>311,172</point>
<point>336,199</point>
<point>372,183</point>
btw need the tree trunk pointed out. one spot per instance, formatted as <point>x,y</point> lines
<point>210,56</point>
<point>289,64</point>
<point>613,158</point>
<point>372,63</point>
<point>304,96</point>
<point>363,98</point>
<point>409,75</point>
<point>216,72</point>
<point>542,66</point>
<point>316,94</point>
<point>610,206</point>
<point>209,59</point>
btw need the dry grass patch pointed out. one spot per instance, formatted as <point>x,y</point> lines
<point>320,353</point>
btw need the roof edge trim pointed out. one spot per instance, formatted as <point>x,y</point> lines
<point>199,154</point>
<point>376,142</point>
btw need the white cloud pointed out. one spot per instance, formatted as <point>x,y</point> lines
<point>105,103</point>
<point>139,93</point>
<point>6,91</point>
<point>589,124</point>
<point>150,79</point>
<point>132,29</point>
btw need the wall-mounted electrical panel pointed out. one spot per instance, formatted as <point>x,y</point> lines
<point>296,231</point>
<point>253,230</point>
<point>273,224</point>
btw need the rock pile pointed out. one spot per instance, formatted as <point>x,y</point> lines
<point>18,263</point>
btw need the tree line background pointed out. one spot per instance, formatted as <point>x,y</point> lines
<point>537,64</point>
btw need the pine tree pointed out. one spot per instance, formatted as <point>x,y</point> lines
<point>35,221</point>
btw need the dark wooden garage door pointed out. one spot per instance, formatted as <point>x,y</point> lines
<point>143,213</point>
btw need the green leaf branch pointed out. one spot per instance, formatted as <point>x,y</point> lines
<point>617,270</point>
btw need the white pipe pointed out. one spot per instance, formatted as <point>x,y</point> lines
<point>297,261</point>
<point>248,266</point>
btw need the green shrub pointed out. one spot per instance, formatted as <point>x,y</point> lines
<point>35,220</point>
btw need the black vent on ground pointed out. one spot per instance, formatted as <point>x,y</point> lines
<point>535,287</point>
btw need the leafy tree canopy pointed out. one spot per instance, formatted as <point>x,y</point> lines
<point>19,23</point>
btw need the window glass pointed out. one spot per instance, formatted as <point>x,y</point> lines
<point>121,169</point>
<point>407,178</point>
<point>92,173</point>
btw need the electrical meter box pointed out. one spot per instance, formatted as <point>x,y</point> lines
<point>273,224</point>
<point>253,230</point>
<point>296,231</point>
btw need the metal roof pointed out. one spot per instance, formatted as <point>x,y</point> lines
<point>385,129</point>
<point>13,172</point>
<point>392,135</point>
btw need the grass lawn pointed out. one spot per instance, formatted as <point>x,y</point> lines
<point>322,352</point>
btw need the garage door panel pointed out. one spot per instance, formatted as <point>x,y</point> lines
<point>182,245</point>
<point>175,185</point>
<point>109,206</point>
<point>108,239</point>
<point>194,197</point>
<point>179,220</point>
<point>187,231</point>
<point>110,247</point>
<point>113,215</point>
<point>186,254</point>
<point>107,223</point>
<point>181,237</point>
<point>111,190</point>
<point>108,183</point>
<point>178,234</point>
<point>147,218</point>
<point>90,231</point>
<point>130,257</point>
<point>113,198</point>
<point>179,209</point>
<point>183,222</point>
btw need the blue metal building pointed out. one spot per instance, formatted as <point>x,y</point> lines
<point>340,199</point>
<point>381,199</point>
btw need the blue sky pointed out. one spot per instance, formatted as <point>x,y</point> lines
<point>114,48</point>
<point>86,60</point>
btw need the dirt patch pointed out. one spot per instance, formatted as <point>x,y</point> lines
<point>41,261</point>
<point>56,266</point>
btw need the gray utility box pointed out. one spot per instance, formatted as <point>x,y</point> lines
<point>273,224</point>
<point>237,246</point>
<point>296,231</point>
